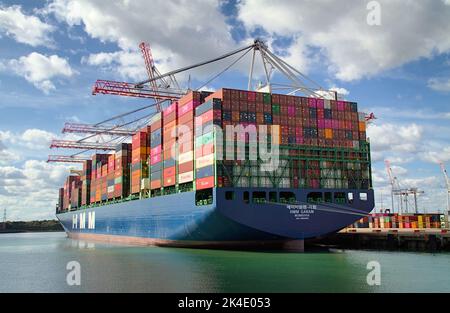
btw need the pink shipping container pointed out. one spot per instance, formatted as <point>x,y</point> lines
<point>291,110</point>
<point>321,123</point>
<point>320,103</point>
<point>156,158</point>
<point>155,150</point>
<point>170,109</point>
<point>312,103</point>
<point>335,124</point>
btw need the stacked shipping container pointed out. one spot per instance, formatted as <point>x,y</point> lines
<point>170,119</point>
<point>98,183</point>
<point>156,157</point>
<point>207,115</point>
<point>139,161</point>
<point>185,164</point>
<point>122,170</point>
<point>405,221</point>
<point>322,145</point>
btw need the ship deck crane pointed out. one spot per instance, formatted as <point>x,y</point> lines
<point>70,144</point>
<point>170,91</point>
<point>447,184</point>
<point>92,129</point>
<point>66,159</point>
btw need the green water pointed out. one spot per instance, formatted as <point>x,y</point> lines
<point>35,262</point>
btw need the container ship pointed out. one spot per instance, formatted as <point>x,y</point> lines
<point>184,180</point>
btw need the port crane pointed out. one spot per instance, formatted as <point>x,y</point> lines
<point>402,193</point>
<point>67,159</point>
<point>161,90</point>
<point>92,129</point>
<point>72,144</point>
<point>447,184</point>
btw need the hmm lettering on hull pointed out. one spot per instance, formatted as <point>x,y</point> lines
<point>79,220</point>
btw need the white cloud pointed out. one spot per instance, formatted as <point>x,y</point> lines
<point>341,91</point>
<point>439,84</point>
<point>128,64</point>
<point>179,33</point>
<point>390,137</point>
<point>37,138</point>
<point>31,191</point>
<point>410,30</point>
<point>436,156</point>
<point>40,70</point>
<point>23,28</point>
<point>399,170</point>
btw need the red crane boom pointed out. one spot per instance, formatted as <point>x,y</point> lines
<point>108,87</point>
<point>68,144</point>
<point>91,129</point>
<point>66,159</point>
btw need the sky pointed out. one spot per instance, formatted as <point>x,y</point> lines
<point>392,57</point>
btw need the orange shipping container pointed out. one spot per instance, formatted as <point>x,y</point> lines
<point>328,133</point>
<point>155,184</point>
<point>362,126</point>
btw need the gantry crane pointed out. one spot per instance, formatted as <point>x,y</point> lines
<point>67,159</point>
<point>92,129</point>
<point>160,88</point>
<point>392,182</point>
<point>72,144</point>
<point>402,193</point>
<point>447,184</point>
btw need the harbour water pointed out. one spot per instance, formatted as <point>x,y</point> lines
<point>36,262</point>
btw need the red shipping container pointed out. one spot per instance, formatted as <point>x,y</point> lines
<point>186,167</point>
<point>155,184</point>
<point>204,183</point>
<point>169,172</point>
<point>169,181</point>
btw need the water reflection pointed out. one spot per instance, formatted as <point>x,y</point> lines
<point>38,263</point>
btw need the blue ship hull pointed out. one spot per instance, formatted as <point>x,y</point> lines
<point>176,220</point>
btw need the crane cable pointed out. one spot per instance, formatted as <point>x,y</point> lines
<point>226,69</point>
